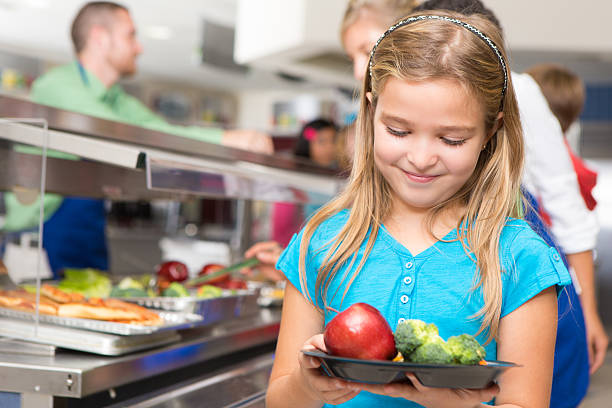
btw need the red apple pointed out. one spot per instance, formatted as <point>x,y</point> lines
<point>231,284</point>
<point>360,332</point>
<point>173,271</point>
<point>210,268</point>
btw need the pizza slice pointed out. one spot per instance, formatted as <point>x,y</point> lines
<point>59,295</point>
<point>24,301</point>
<point>95,311</point>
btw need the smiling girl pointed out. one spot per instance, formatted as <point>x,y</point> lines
<point>429,226</point>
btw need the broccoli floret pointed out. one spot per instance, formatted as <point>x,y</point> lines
<point>412,333</point>
<point>466,349</point>
<point>433,351</point>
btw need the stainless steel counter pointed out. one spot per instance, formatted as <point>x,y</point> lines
<point>131,162</point>
<point>77,375</point>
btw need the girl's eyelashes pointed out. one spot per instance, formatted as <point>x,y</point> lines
<point>402,133</point>
<point>453,142</point>
<point>398,133</point>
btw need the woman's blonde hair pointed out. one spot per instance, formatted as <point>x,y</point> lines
<point>424,51</point>
<point>388,11</point>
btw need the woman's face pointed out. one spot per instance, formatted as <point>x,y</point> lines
<point>323,147</point>
<point>427,139</point>
<point>360,37</point>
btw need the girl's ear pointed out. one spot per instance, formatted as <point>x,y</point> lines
<point>369,96</point>
<point>499,122</point>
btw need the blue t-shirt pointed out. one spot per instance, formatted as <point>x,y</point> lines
<point>434,286</point>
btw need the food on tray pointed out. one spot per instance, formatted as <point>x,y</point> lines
<point>209,292</point>
<point>221,276</point>
<point>88,282</point>
<point>466,349</point>
<point>129,287</point>
<point>419,342</point>
<point>207,270</point>
<point>232,284</point>
<point>25,301</point>
<point>173,271</point>
<point>68,305</point>
<point>59,295</point>
<point>362,332</point>
<point>175,290</point>
<point>110,309</point>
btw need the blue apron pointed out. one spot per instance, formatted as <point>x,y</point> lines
<point>571,370</point>
<point>74,236</point>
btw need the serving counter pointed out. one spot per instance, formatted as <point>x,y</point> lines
<point>219,365</point>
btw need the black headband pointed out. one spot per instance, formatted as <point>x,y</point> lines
<point>463,24</point>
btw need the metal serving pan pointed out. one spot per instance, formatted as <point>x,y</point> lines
<point>83,340</point>
<point>228,306</point>
<point>172,321</point>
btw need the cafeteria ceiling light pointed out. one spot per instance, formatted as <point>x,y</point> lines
<point>32,4</point>
<point>158,32</point>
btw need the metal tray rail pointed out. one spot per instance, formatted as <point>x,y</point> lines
<point>172,321</point>
<point>82,340</point>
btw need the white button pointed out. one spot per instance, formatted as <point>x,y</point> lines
<point>408,265</point>
<point>404,299</point>
<point>407,280</point>
<point>401,320</point>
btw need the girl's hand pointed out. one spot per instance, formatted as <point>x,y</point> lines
<point>432,397</point>
<point>318,385</point>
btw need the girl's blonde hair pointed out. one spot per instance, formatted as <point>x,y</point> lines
<point>424,51</point>
<point>388,11</point>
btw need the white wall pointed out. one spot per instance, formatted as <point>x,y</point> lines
<point>556,25</point>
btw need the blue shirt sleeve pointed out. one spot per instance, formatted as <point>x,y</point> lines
<point>530,267</point>
<point>289,262</point>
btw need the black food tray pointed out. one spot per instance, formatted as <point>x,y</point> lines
<point>430,375</point>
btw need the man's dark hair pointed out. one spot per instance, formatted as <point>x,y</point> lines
<point>466,7</point>
<point>95,12</point>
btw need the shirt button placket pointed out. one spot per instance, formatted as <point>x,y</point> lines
<point>406,291</point>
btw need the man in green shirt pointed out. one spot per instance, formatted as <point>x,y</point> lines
<point>106,47</point>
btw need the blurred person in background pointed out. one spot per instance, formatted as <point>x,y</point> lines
<point>565,93</point>
<point>316,142</point>
<point>548,175</point>
<point>320,142</point>
<point>106,47</point>
<point>104,39</point>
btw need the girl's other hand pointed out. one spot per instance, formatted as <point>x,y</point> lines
<point>267,253</point>
<point>433,397</point>
<point>318,385</point>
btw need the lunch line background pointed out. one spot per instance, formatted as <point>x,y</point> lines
<point>597,109</point>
